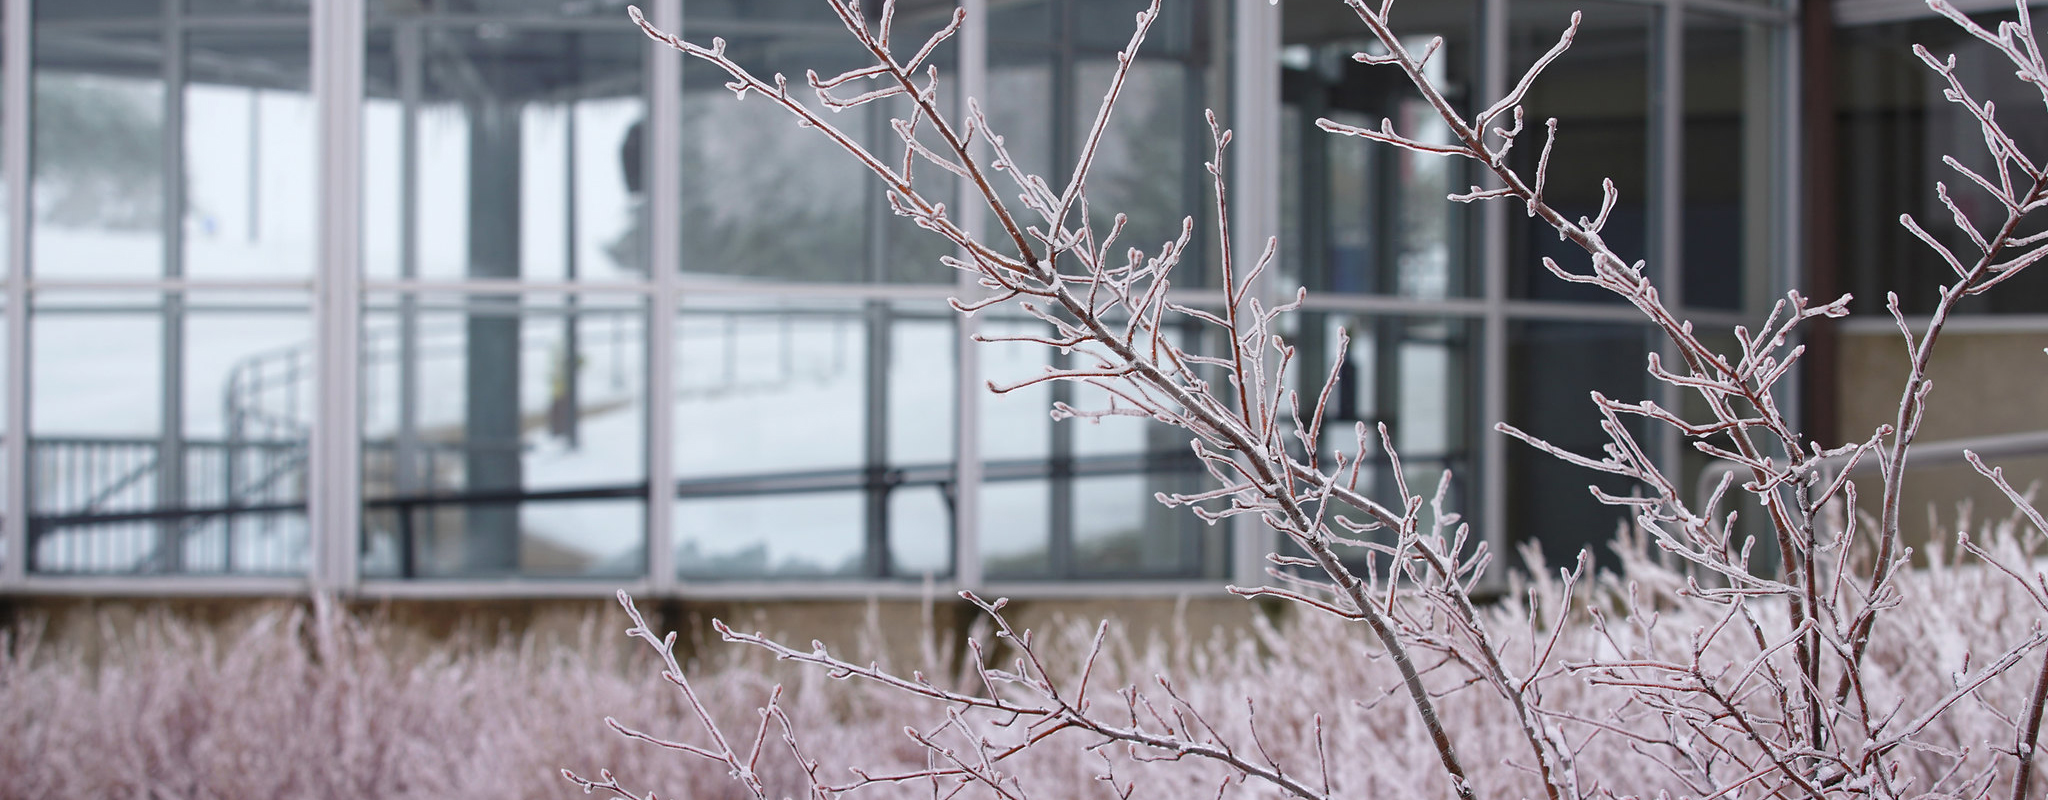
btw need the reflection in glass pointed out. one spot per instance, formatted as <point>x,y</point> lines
<point>1418,376</point>
<point>769,389</point>
<point>502,436</point>
<point>241,8</point>
<point>1894,127</point>
<point>1727,203</point>
<point>1016,424</point>
<point>504,152</point>
<point>1551,368</point>
<point>169,433</point>
<point>823,400</point>
<point>99,154</point>
<point>100,10</point>
<point>1076,498</point>
<point>546,9</point>
<point>1600,94</point>
<point>766,199</point>
<point>1360,216</point>
<point>1015,530</point>
<point>249,160</point>
<point>1121,530</point>
<point>814,535</point>
<point>1050,62</point>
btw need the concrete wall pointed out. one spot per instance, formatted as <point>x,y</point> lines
<point>856,630</point>
<point>1985,383</point>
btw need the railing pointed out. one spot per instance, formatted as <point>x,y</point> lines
<point>106,505</point>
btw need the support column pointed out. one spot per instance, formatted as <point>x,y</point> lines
<point>491,429</point>
<point>170,455</point>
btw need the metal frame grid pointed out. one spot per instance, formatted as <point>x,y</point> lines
<point>338,287</point>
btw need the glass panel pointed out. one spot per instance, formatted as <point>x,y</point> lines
<point>100,10</point>
<point>99,154</point>
<point>504,436</point>
<point>1016,424</point>
<point>1149,165</point>
<point>1021,89</point>
<point>169,433</point>
<point>1420,377</point>
<point>10,524</point>
<point>921,532</point>
<point>295,8</point>
<point>1599,92</point>
<point>1361,216</point>
<point>1894,127</point>
<point>497,152</point>
<point>585,9</point>
<point>1727,211</point>
<point>1551,368</point>
<point>766,199</point>
<point>249,156</point>
<point>921,388</point>
<point>815,535</point>
<point>1121,530</point>
<point>1075,498</point>
<point>1015,529</point>
<point>765,388</point>
<point>816,400</point>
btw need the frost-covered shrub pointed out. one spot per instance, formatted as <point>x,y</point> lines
<point>1830,668</point>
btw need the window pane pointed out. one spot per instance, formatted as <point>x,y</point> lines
<point>826,400</point>
<point>123,10</point>
<point>504,436</point>
<point>249,159</point>
<point>766,199</point>
<point>1016,531</point>
<point>1075,498</point>
<point>169,433</point>
<point>523,151</point>
<point>1599,92</point>
<point>782,535</point>
<point>1551,368</point>
<point>1728,131</point>
<point>769,387</point>
<point>1418,376</point>
<point>239,8</point>
<point>99,147</point>
<point>599,9</point>
<point>1362,216</point>
<point>1894,128</point>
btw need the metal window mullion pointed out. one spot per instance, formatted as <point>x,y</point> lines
<point>332,501</point>
<point>1493,250</point>
<point>14,164</point>
<point>1255,94</point>
<point>967,386</point>
<point>663,154</point>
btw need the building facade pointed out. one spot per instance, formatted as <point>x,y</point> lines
<point>493,297</point>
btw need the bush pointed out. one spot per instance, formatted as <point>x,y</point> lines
<point>1834,671</point>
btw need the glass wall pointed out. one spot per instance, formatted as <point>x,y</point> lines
<point>519,361</point>
<point>1452,319</point>
<point>170,371</point>
<point>504,421</point>
<point>1893,127</point>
